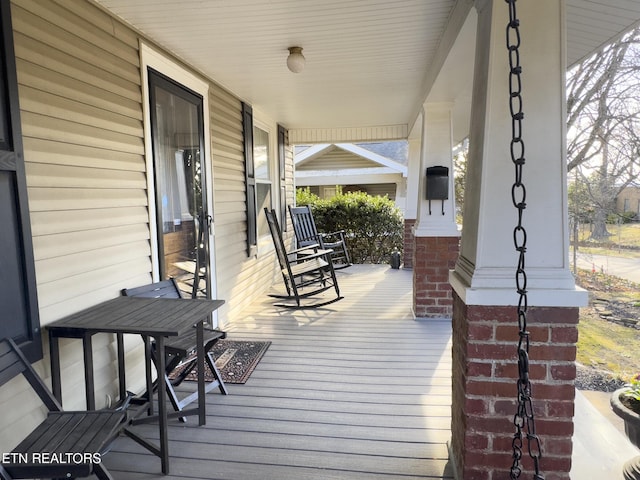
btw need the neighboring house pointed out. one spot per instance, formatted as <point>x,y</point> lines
<point>375,168</point>
<point>628,200</point>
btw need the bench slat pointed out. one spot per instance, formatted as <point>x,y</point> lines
<point>187,343</point>
<point>64,444</point>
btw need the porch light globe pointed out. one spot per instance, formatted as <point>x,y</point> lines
<point>295,60</point>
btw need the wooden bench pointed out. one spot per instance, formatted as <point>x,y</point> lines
<point>65,444</point>
<point>181,350</point>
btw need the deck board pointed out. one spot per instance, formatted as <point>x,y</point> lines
<point>354,390</point>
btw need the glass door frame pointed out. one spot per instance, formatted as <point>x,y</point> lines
<point>152,58</point>
<point>196,206</point>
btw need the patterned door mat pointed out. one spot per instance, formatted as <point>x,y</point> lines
<point>235,359</point>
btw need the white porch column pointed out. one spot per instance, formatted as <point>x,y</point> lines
<point>413,170</point>
<point>436,150</point>
<point>485,322</point>
<point>436,234</point>
<point>401,194</point>
<point>413,189</point>
<point>485,272</point>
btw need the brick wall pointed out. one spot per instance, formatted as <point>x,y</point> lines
<point>408,244</point>
<point>433,257</point>
<point>484,388</point>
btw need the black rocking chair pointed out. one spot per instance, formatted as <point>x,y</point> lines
<point>306,272</point>
<point>307,234</point>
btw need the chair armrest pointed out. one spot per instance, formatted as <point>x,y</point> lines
<point>314,247</point>
<point>338,232</point>
<point>333,236</point>
<point>208,328</point>
<point>212,329</point>
<point>318,253</point>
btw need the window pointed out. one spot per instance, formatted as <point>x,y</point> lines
<point>261,182</point>
<point>626,205</point>
<point>282,165</point>
<point>329,192</point>
<point>262,167</point>
<point>250,179</point>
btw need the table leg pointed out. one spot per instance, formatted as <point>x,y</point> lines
<point>202,418</point>
<point>122,381</point>
<point>88,371</point>
<point>162,405</point>
<point>147,371</point>
<point>54,356</point>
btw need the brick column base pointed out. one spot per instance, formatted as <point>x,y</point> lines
<point>408,244</point>
<point>484,388</point>
<point>433,257</point>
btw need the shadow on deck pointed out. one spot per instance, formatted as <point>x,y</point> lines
<point>355,390</point>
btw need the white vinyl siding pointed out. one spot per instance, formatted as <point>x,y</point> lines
<point>360,134</point>
<point>241,280</point>
<point>337,159</point>
<point>82,114</point>
<point>381,189</point>
<point>83,139</point>
<point>79,88</point>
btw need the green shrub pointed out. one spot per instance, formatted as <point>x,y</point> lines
<point>626,217</point>
<point>373,225</point>
<point>305,197</point>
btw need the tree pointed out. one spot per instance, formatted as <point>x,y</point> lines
<point>603,115</point>
<point>580,205</point>
<point>460,155</point>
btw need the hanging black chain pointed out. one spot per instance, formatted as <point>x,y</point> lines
<point>524,418</point>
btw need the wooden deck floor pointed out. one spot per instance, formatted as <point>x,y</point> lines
<point>356,390</point>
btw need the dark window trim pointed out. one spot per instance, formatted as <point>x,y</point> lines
<point>282,162</point>
<point>12,159</point>
<point>250,180</point>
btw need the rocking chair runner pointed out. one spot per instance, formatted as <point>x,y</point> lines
<point>306,272</point>
<point>307,234</point>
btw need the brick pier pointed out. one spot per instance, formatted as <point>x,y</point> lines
<point>484,388</point>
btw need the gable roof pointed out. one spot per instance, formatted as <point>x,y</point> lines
<point>308,155</point>
<point>395,150</point>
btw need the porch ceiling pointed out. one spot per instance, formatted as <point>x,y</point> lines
<point>369,62</point>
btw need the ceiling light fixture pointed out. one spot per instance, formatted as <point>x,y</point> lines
<point>295,60</point>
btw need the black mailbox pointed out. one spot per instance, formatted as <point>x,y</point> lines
<point>437,185</point>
